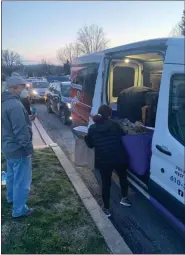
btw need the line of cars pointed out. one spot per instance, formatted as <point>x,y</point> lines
<point>37,88</point>
<point>55,91</point>
<point>58,100</point>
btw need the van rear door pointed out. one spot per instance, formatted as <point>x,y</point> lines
<point>168,153</point>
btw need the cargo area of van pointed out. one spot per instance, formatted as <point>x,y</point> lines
<point>132,91</point>
<point>133,87</point>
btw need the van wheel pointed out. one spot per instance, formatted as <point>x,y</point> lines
<point>49,110</point>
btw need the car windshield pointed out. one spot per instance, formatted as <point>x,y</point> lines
<point>58,78</point>
<point>66,91</point>
<point>40,84</point>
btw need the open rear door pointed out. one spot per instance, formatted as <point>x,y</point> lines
<point>168,153</point>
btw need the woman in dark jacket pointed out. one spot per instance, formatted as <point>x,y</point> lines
<point>105,137</point>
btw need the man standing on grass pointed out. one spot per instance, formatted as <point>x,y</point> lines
<point>17,147</point>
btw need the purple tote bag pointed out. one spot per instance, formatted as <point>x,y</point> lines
<point>139,150</point>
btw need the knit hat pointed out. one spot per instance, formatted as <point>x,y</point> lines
<point>15,81</point>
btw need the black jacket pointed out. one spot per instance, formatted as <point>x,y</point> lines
<point>105,138</point>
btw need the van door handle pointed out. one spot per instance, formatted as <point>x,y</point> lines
<point>161,149</point>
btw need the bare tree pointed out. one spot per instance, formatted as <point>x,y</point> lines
<point>176,31</point>
<point>179,28</point>
<point>91,39</point>
<point>10,62</point>
<point>45,67</point>
<point>182,24</point>
<point>68,52</point>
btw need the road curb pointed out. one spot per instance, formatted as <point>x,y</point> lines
<point>114,241</point>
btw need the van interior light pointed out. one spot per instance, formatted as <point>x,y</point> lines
<point>127,60</point>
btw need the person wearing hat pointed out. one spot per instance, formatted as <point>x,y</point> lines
<point>17,147</point>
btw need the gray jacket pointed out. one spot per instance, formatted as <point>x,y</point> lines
<point>16,128</point>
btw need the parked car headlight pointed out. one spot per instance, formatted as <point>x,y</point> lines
<point>34,92</point>
<point>69,105</point>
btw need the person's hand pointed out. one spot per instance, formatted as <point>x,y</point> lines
<point>29,156</point>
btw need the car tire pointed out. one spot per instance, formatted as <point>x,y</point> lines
<point>64,117</point>
<point>49,110</point>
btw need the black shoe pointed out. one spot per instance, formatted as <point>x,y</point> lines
<point>125,202</point>
<point>106,212</point>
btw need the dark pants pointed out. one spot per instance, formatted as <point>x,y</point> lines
<point>106,174</point>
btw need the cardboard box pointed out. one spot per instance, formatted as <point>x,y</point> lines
<point>84,156</point>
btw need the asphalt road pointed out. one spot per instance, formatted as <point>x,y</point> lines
<point>143,228</point>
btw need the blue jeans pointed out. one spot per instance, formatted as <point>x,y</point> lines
<point>19,176</point>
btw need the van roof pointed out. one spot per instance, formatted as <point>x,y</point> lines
<point>158,42</point>
<point>91,58</point>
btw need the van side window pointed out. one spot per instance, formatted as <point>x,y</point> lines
<point>177,107</point>
<point>90,80</point>
<point>86,77</point>
<point>79,80</point>
<point>79,77</point>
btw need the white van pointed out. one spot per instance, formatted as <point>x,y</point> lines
<point>159,64</point>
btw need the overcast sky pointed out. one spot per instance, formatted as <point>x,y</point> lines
<point>37,29</point>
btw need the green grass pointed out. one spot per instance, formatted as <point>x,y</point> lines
<point>60,224</point>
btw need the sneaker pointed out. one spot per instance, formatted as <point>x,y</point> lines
<point>125,202</point>
<point>107,212</point>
